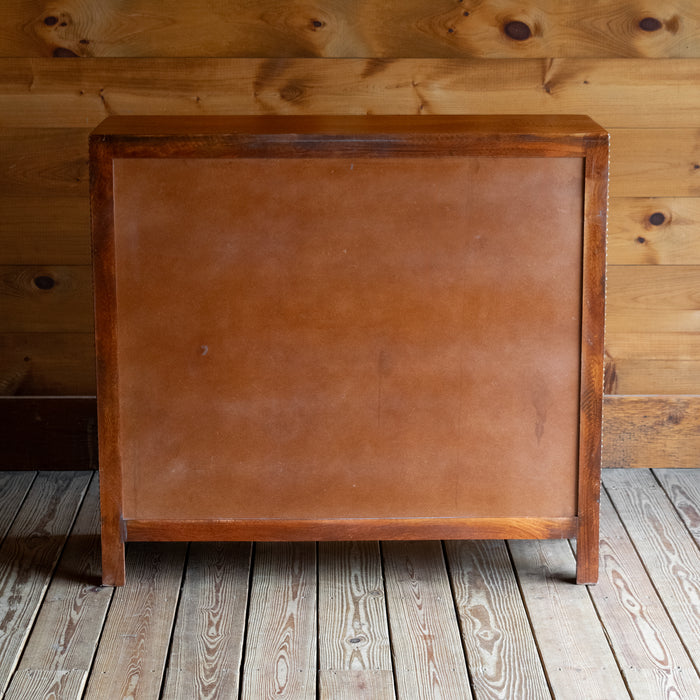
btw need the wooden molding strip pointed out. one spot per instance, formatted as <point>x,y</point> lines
<point>351,529</point>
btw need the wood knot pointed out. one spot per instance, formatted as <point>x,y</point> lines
<point>317,24</point>
<point>674,418</point>
<point>650,24</point>
<point>50,20</point>
<point>63,52</point>
<point>518,31</point>
<point>657,218</point>
<point>44,282</point>
<point>292,93</point>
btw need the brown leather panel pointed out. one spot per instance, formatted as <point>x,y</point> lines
<point>320,338</point>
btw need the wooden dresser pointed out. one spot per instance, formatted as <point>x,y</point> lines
<point>371,327</point>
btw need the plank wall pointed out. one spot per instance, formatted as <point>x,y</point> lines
<point>632,66</point>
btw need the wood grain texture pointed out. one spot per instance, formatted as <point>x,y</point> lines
<point>207,644</point>
<point>28,557</point>
<point>424,630</point>
<point>645,431</point>
<point>683,490</point>
<point>654,346</point>
<point>652,298</point>
<point>274,530</point>
<point>281,658</point>
<point>668,551</point>
<point>494,29</point>
<point>592,356</point>
<point>654,231</point>
<point>576,656</point>
<point>13,490</point>
<point>352,608</point>
<point>651,658</point>
<point>66,634</point>
<point>501,651</point>
<point>35,683</point>
<point>52,298</point>
<point>42,94</point>
<point>643,376</point>
<point>47,230</point>
<point>356,685</point>
<point>655,163</point>
<point>43,163</point>
<point>133,649</point>
<point>52,364</point>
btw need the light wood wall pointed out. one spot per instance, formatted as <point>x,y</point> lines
<point>632,66</point>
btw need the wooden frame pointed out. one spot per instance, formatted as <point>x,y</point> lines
<point>157,185</point>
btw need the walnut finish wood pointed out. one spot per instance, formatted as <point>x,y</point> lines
<point>427,332</point>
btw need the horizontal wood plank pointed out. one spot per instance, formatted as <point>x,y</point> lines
<point>618,93</point>
<point>655,163</point>
<point>49,364</point>
<point>651,431</point>
<point>643,376</point>
<point>651,345</point>
<point>654,231</point>
<point>493,28</point>
<point>44,163</point>
<point>44,230</point>
<point>272,530</point>
<point>46,299</point>
<point>652,298</point>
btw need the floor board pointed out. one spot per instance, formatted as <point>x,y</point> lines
<point>577,658</point>
<point>28,556</point>
<point>280,660</point>
<point>352,620</point>
<point>131,657</point>
<point>207,644</point>
<point>669,553</point>
<point>423,622</point>
<point>500,647</point>
<point>355,662</point>
<point>69,625</point>
<point>652,659</point>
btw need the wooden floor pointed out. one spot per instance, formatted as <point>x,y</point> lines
<point>353,620</point>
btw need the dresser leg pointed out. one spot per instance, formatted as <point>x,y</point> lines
<point>587,552</point>
<point>113,563</point>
